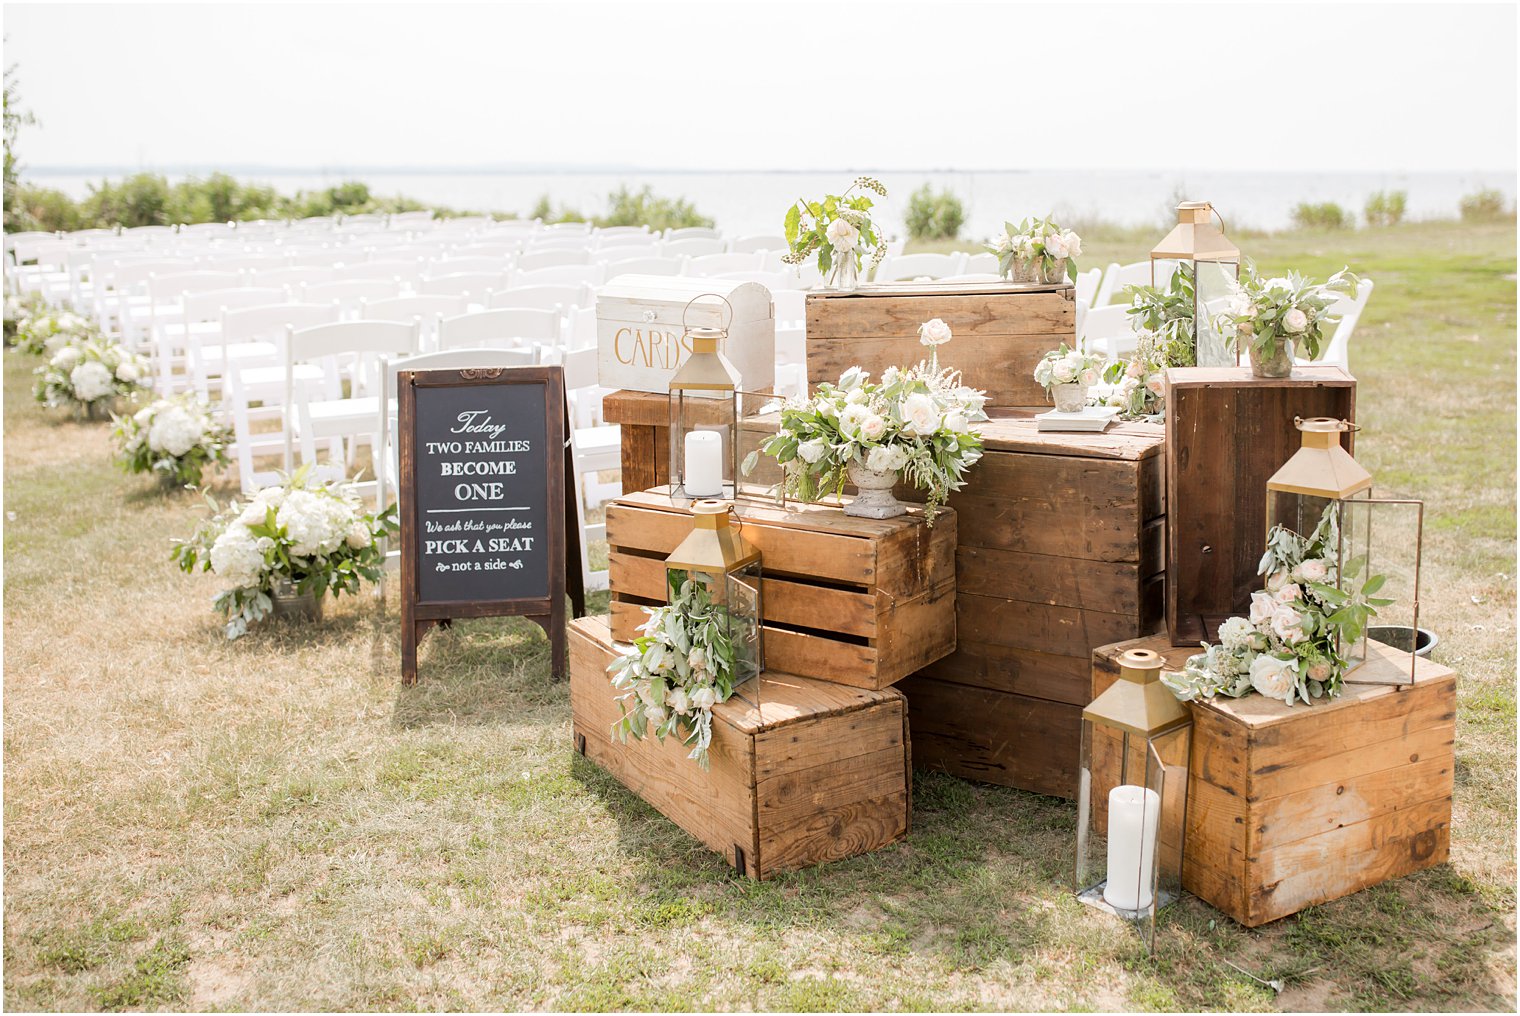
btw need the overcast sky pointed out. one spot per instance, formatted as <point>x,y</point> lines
<point>769,85</point>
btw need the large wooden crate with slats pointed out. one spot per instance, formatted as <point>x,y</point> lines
<point>1001,331</point>
<point>862,602</point>
<point>802,772</point>
<point>1292,806</point>
<point>1061,550</point>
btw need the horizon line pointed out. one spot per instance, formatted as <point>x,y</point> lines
<point>528,169</point>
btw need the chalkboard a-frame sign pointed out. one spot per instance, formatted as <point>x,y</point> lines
<point>485,491</point>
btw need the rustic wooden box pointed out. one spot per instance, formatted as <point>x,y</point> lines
<point>815,773</point>
<point>1001,330</point>
<point>1290,807</point>
<point>862,602</point>
<point>1227,433</point>
<point>1060,551</point>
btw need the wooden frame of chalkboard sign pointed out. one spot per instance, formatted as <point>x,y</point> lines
<point>487,525</point>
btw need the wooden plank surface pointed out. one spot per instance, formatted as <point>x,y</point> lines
<point>1061,631</point>
<point>1019,671</point>
<point>1227,433</point>
<point>898,313</point>
<point>996,737</point>
<point>1016,431</point>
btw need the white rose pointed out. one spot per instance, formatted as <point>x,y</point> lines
<point>704,698</point>
<point>852,379</point>
<point>842,235</point>
<point>1262,607</point>
<point>933,332</point>
<point>1089,376</point>
<point>1157,386</point>
<point>679,702</point>
<point>359,536</point>
<point>856,397</point>
<point>1313,570</point>
<point>1236,633</point>
<point>1055,246</point>
<point>811,451</point>
<point>1288,624</point>
<point>1320,671</point>
<point>919,415</point>
<point>656,714</point>
<point>956,422</point>
<point>852,418</point>
<point>143,417</point>
<point>697,658</point>
<point>1073,243</point>
<point>90,381</point>
<point>67,358</point>
<point>1295,321</point>
<point>1063,371</point>
<point>881,459</point>
<point>1288,593</point>
<point>1280,283</point>
<point>1274,677</point>
<point>890,375</point>
<point>127,372</point>
<point>1277,580</point>
<point>873,427</point>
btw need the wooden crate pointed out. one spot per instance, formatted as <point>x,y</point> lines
<point>1291,807</point>
<point>1227,433</point>
<point>1001,330</point>
<point>1060,551</point>
<point>862,602</point>
<point>816,772</point>
<point>644,421</point>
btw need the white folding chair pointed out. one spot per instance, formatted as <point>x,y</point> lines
<point>532,260</point>
<point>1349,310</point>
<point>717,264</point>
<point>1087,284</point>
<point>398,270</point>
<point>919,266</point>
<point>200,326</point>
<point>691,247</point>
<point>580,328</point>
<point>450,264</point>
<point>1109,330</point>
<point>165,307</point>
<point>476,287</point>
<point>773,281</point>
<point>564,275</point>
<point>522,332</point>
<point>426,310</point>
<point>643,266</point>
<point>1117,277</point>
<point>693,233</point>
<point>350,294</point>
<point>614,235</point>
<point>984,263</point>
<point>791,340</point>
<point>556,298</point>
<point>594,448</point>
<point>293,277</point>
<point>757,243</point>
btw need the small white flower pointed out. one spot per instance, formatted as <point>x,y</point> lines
<point>1313,570</point>
<point>1275,677</point>
<point>236,557</point>
<point>1073,243</point>
<point>679,702</point>
<point>656,714</point>
<point>704,698</point>
<point>1277,580</point>
<point>1236,633</point>
<point>920,415</point>
<point>67,358</point>
<point>1063,371</point>
<point>856,397</point>
<point>853,417</point>
<point>1089,376</point>
<point>881,459</point>
<point>697,658</point>
<point>934,332</point>
<point>127,372</point>
<point>1288,593</point>
<point>1055,246</point>
<point>842,236</point>
<point>811,451</point>
<point>956,422</point>
<point>90,381</point>
<point>852,379</point>
<point>1295,321</point>
<point>890,375</point>
<point>873,427</point>
<point>359,536</point>
<point>1288,624</point>
<point>1157,386</point>
<point>1262,607</point>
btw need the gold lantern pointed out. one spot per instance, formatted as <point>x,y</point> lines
<point>1209,266</point>
<point>1371,545</point>
<point>718,558</point>
<point>1132,795</point>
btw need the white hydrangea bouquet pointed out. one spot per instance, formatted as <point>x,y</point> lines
<point>309,539</point>
<point>675,672</point>
<point>1292,646</point>
<point>917,421</point>
<point>42,330</point>
<point>175,438</point>
<point>87,376</point>
<point>1274,316</point>
<point>1036,250</point>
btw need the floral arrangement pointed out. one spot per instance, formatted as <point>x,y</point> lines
<point>1069,367</point>
<point>175,438</point>
<point>1168,315</point>
<point>41,330</point>
<point>1292,646</point>
<point>88,374</point>
<point>1037,240</point>
<point>916,420</point>
<point>836,228</point>
<point>1136,386</point>
<point>675,673</point>
<point>1264,312</point>
<point>318,539</point>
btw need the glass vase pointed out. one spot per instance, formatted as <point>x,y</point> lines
<point>844,273</point>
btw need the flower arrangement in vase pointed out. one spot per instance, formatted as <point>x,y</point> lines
<point>915,421</point>
<point>176,438</point>
<point>839,230</point>
<point>1291,647</point>
<point>1167,314</point>
<point>88,376</point>
<point>1067,375</point>
<point>286,547</point>
<point>1037,250</point>
<point>1273,316</point>
<point>1136,386</point>
<point>676,671</point>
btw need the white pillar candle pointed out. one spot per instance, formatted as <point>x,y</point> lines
<point>1133,817</point>
<point>703,473</point>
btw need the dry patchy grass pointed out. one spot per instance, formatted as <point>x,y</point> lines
<point>276,824</point>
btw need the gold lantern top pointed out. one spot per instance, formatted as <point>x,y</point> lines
<point>1322,468</point>
<point>707,369</point>
<point>713,546</point>
<point>1138,703</point>
<point>1196,237</point>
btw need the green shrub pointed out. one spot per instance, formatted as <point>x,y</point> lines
<point>42,208</point>
<point>544,212</point>
<point>627,208</point>
<point>140,200</point>
<point>1325,215</point>
<point>1385,208</point>
<point>220,198</point>
<point>1486,205</point>
<point>934,216</point>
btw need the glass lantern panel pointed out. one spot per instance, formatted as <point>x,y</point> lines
<point>761,477</point>
<point>1162,270</point>
<point>1214,283</point>
<point>702,446</point>
<point>746,612</point>
<point>1381,544</point>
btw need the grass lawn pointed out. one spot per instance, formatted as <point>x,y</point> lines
<point>275,823</point>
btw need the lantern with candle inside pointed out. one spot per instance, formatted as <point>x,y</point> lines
<point>716,556</point>
<point>1330,538</point>
<point>1209,268</point>
<point>1132,795</point>
<point>704,415</point>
